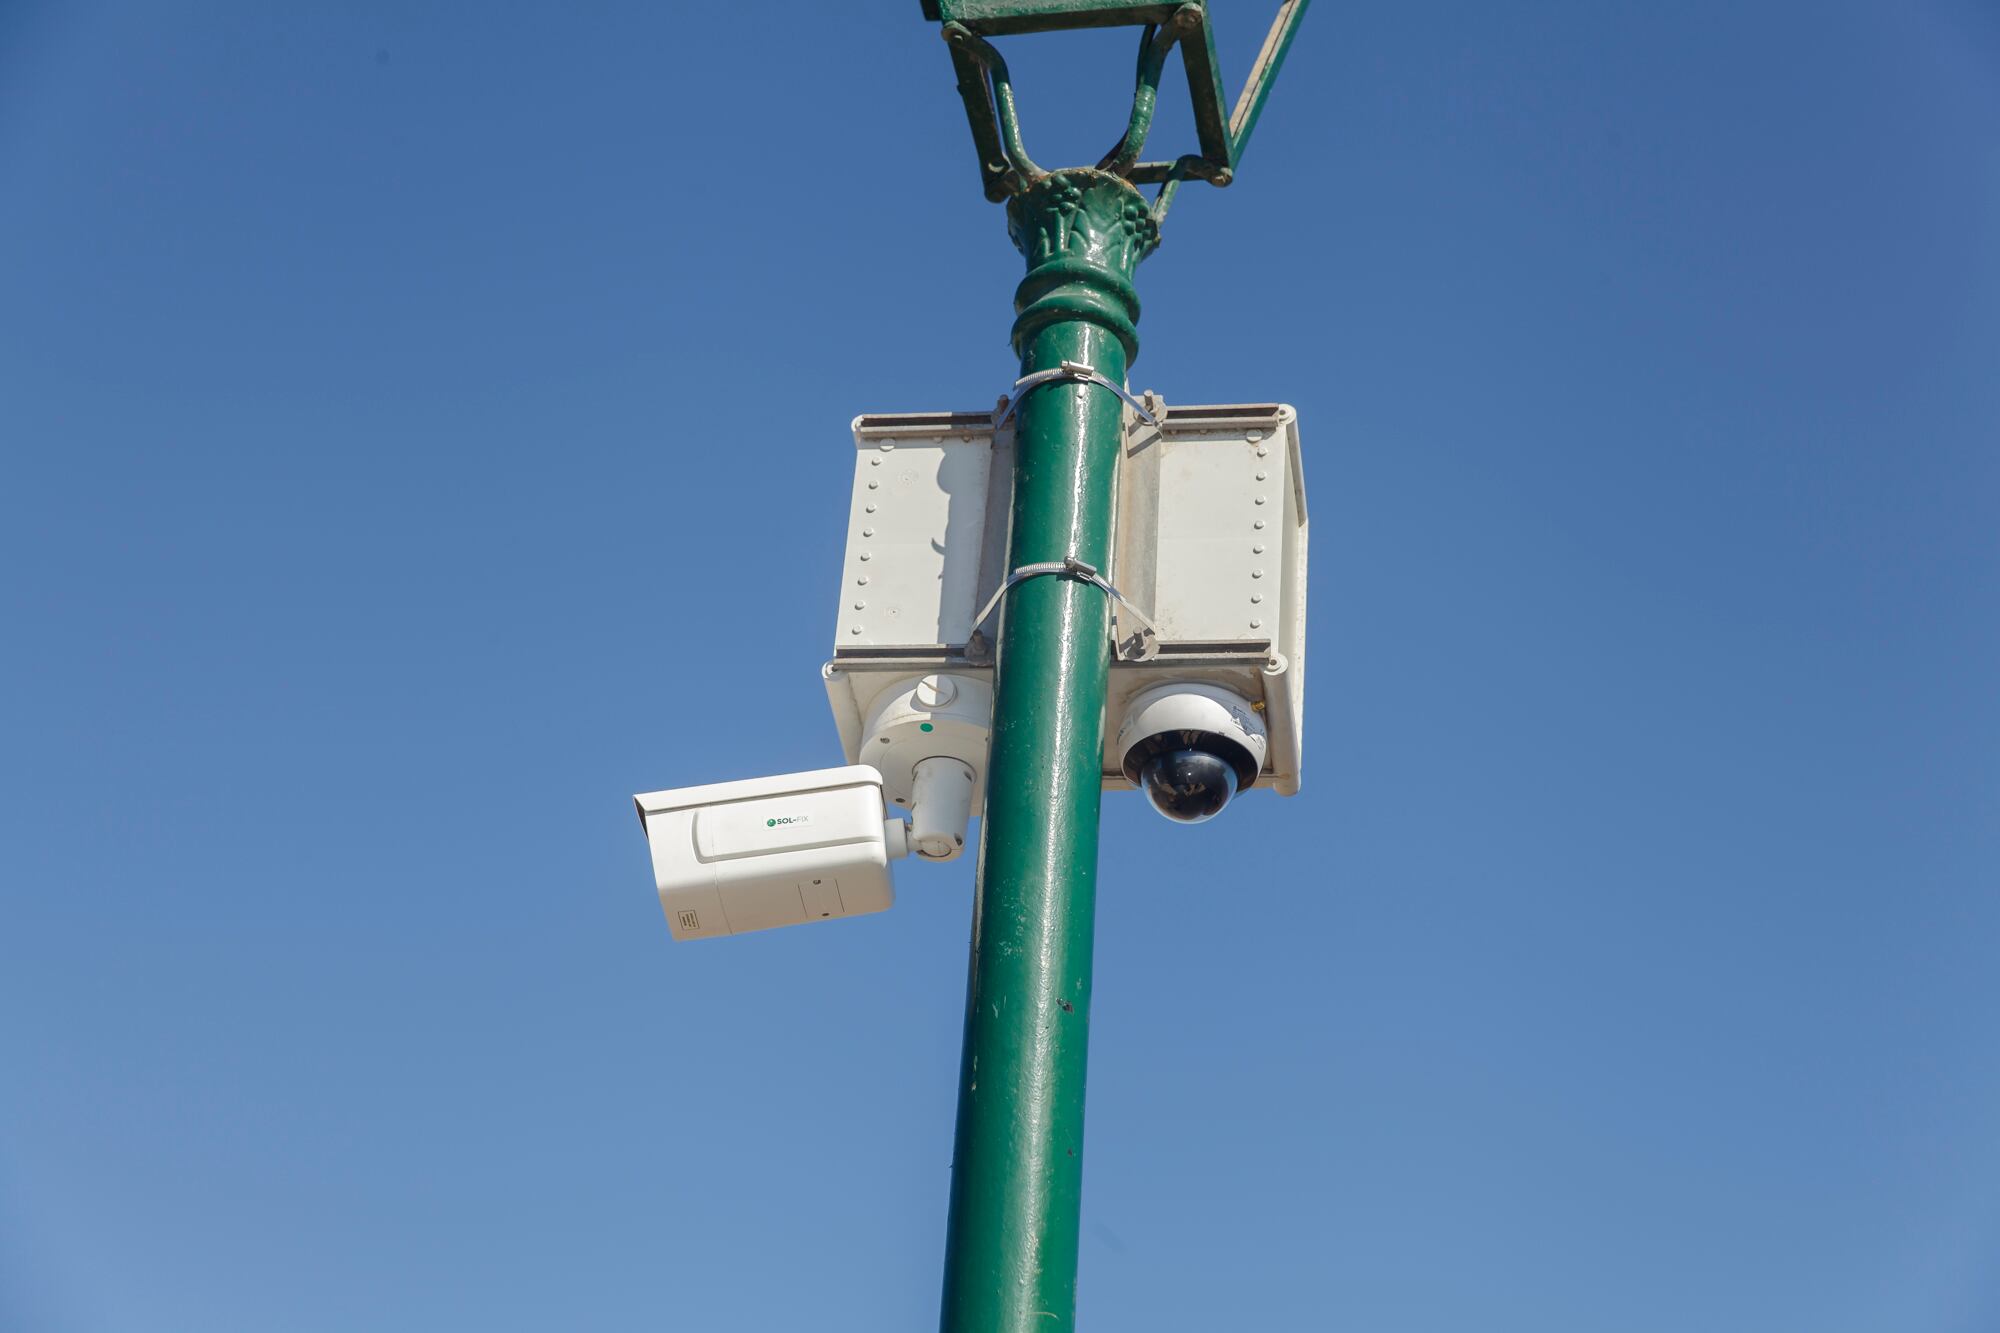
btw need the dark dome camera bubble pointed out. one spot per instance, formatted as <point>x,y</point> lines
<point>1188,785</point>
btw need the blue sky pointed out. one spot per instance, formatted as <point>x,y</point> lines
<point>425,425</point>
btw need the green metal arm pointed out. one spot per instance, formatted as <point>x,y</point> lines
<point>988,92</point>
<point>1263,74</point>
<point>1154,44</point>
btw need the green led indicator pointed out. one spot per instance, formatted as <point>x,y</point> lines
<point>923,726</point>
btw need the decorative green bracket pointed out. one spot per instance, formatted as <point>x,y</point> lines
<point>1005,168</point>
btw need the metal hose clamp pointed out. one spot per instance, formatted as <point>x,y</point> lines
<point>1068,370</point>
<point>1142,645</point>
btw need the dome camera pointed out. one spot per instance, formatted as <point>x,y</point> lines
<point>1190,748</point>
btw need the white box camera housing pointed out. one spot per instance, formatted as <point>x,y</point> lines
<point>732,857</point>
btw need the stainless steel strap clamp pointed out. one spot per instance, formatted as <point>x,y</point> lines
<point>1068,370</point>
<point>1139,646</point>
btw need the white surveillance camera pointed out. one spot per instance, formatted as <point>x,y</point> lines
<point>740,856</point>
<point>1190,747</point>
<point>733,857</point>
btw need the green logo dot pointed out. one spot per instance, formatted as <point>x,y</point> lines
<point>770,823</point>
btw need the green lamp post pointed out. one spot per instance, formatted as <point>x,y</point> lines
<point>1011,1244</point>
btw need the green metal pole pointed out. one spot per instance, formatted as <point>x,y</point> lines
<point>1011,1242</point>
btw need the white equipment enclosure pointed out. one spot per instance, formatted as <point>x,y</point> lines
<point>1210,548</point>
